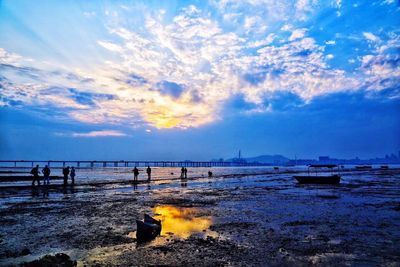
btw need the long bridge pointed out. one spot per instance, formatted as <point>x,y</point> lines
<point>122,163</point>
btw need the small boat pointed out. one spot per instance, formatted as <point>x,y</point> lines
<point>147,229</point>
<point>384,167</point>
<point>151,220</point>
<point>319,179</point>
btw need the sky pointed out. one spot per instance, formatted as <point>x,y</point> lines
<point>176,80</point>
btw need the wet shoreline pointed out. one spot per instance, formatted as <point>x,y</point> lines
<point>264,219</point>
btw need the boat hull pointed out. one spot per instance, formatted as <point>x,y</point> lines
<point>147,231</point>
<point>330,179</point>
<point>151,220</point>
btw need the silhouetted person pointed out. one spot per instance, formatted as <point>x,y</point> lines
<point>135,174</point>
<point>210,174</point>
<point>148,171</point>
<point>66,173</point>
<point>185,171</point>
<point>46,175</point>
<point>72,174</point>
<point>182,172</point>
<point>35,173</point>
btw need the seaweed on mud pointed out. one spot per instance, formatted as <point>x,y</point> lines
<point>232,225</point>
<point>328,196</point>
<point>58,260</point>
<point>299,223</point>
<point>7,221</point>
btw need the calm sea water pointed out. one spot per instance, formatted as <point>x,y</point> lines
<point>91,175</point>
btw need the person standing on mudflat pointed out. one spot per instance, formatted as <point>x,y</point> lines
<point>46,175</point>
<point>66,173</point>
<point>72,174</point>
<point>35,173</point>
<point>148,173</point>
<point>135,174</point>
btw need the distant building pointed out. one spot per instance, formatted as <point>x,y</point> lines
<point>239,159</point>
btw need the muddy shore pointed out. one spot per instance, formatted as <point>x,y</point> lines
<point>255,220</point>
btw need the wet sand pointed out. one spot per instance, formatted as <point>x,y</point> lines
<point>254,220</point>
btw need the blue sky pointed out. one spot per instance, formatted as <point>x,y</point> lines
<point>199,79</point>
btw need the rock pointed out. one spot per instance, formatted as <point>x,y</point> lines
<point>25,252</point>
<point>58,260</point>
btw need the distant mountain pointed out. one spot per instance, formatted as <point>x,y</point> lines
<point>268,159</point>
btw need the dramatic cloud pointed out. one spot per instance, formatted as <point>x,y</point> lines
<point>181,69</point>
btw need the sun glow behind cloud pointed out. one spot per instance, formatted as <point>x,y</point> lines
<point>178,69</point>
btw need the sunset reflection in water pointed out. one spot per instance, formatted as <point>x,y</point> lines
<point>182,222</point>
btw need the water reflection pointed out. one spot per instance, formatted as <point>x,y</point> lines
<point>183,182</point>
<point>182,222</point>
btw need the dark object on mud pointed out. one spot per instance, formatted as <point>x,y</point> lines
<point>328,196</point>
<point>148,229</point>
<point>319,179</point>
<point>58,260</point>
<point>15,178</point>
<point>325,179</point>
<point>14,172</point>
<point>363,167</point>
<point>25,252</point>
<point>384,167</point>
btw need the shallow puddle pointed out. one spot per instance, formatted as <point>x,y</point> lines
<point>181,222</point>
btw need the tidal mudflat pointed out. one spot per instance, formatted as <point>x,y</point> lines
<point>251,220</point>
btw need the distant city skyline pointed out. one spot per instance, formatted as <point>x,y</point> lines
<point>176,80</point>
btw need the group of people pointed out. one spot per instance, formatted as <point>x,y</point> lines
<point>183,172</point>
<point>148,171</point>
<point>46,175</point>
<point>136,174</point>
<point>71,172</point>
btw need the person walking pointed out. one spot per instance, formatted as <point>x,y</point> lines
<point>185,171</point>
<point>135,174</point>
<point>72,174</point>
<point>148,170</point>
<point>46,175</point>
<point>182,172</point>
<point>35,173</point>
<point>66,173</point>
